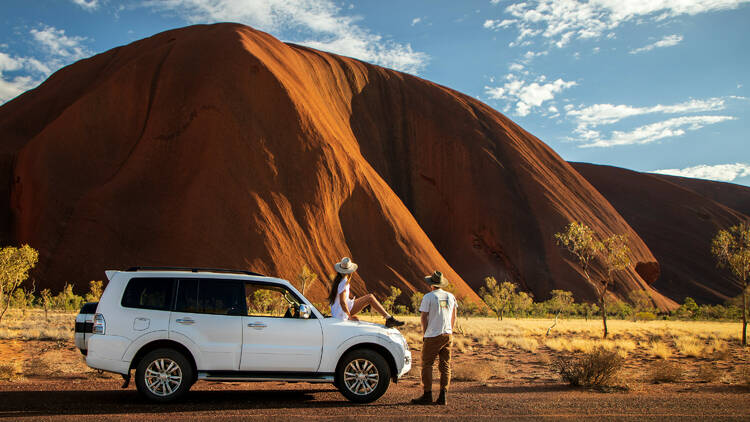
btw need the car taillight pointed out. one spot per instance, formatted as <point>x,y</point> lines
<point>99,324</point>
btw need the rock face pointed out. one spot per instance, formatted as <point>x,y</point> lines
<point>221,146</point>
<point>677,218</point>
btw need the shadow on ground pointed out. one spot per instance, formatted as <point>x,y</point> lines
<point>50,403</point>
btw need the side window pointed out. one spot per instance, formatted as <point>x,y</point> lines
<point>269,300</point>
<point>187,295</point>
<point>222,297</point>
<point>149,293</point>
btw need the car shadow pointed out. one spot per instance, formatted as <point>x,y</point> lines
<point>87,402</point>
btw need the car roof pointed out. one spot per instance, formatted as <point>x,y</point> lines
<point>197,273</point>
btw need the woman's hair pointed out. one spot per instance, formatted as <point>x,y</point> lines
<point>334,288</point>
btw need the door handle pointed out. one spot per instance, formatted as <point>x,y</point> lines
<point>257,325</point>
<point>186,321</point>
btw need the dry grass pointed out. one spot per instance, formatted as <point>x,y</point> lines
<point>689,346</point>
<point>598,367</point>
<point>32,325</point>
<point>666,371</point>
<point>11,371</point>
<point>660,349</point>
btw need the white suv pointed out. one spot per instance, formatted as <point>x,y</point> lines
<point>178,326</point>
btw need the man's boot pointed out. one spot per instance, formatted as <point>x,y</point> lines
<point>425,399</point>
<point>442,400</point>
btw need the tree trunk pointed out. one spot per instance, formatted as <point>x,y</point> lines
<point>604,315</point>
<point>744,315</point>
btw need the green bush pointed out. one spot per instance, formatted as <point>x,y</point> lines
<point>645,316</point>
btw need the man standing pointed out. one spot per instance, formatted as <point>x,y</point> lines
<point>438,310</point>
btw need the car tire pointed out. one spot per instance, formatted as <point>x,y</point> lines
<point>163,375</point>
<point>363,375</point>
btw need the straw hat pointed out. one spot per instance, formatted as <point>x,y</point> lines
<point>436,279</point>
<point>346,266</point>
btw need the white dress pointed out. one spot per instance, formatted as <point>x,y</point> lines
<point>336,310</point>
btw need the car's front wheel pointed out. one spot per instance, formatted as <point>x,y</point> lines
<point>163,375</point>
<point>363,376</point>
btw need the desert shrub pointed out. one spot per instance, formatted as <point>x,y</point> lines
<point>416,301</point>
<point>475,371</point>
<point>593,369</point>
<point>708,373</point>
<point>666,371</point>
<point>10,371</point>
<point>645,316</point>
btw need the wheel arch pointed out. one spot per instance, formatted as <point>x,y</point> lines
<point>382,350</point>
<point>165,344</point>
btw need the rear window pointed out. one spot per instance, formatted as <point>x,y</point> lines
<point>149,293</point>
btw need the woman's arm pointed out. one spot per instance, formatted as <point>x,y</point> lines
<point>345,305</point>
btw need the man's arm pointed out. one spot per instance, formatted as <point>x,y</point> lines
<point>425,318</point>
<point>453,317</point>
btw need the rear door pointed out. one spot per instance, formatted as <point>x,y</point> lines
<point>274,338</point>
<point>146,305</point>
<point>208,312</point>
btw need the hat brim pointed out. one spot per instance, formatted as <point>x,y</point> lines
<point>352,268</point>
<point>443,281</point>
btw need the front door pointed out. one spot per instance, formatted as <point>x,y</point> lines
<point>209,313</point>
<point>274,338</point>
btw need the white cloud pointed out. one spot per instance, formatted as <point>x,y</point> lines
<point>315,23</point>
<point>58,44</point>
<point>560,21</point>
<point>498,24</point>
<point>719,172</point>
<point>527,95</point>
<point>668,41</point>
<point>676,126</point>
<point>87,4</point>
<point>415,21</point>
<point>54,48</point>
<point>606,114</point>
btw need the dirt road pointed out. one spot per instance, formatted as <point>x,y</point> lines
<point>97,399</point>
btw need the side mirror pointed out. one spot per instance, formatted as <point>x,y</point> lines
<point>304,311</point>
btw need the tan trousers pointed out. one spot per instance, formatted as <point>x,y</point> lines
<point>431,349</point>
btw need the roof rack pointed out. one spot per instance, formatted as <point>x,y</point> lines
<point>194,270</point>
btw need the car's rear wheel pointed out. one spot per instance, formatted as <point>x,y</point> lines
<point>363,376</point>
<point>163,375</point>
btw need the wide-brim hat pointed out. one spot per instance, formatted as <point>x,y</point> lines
<point>436,279</point>
<point>346,266</point>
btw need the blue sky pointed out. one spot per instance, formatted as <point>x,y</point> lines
<point>650,85</point>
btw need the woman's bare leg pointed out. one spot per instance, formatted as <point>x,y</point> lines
<point>369,299</point>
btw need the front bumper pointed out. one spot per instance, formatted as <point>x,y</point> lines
<point>407,365</point>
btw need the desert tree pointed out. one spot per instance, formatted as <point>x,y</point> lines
<point>615,257</point>
<point>521,303</point>
<point>391,299</point>
<point>561,302</point>
<point>306,278</point>
<point>589,309</point>
<point>15,264</point>
<point>96,288</point>
<point>416,301</point>
<point>46,298</point>
<point>498,297</point>
<point>732,250</point>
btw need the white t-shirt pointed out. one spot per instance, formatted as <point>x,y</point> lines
<point>439,304</point>
<point>336,310</point>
